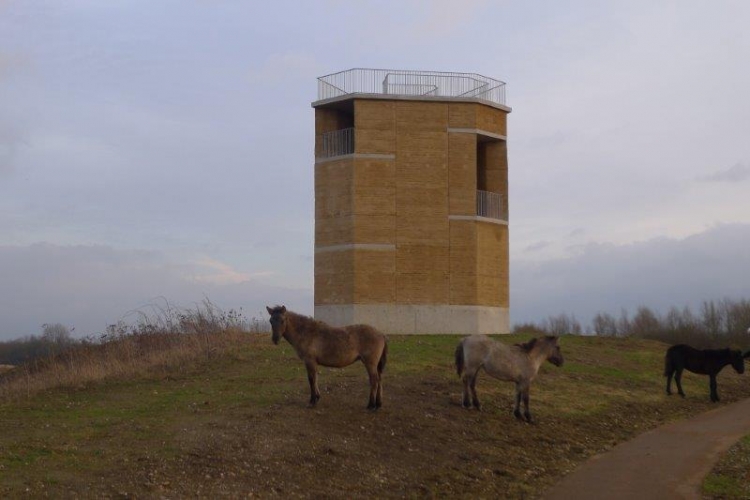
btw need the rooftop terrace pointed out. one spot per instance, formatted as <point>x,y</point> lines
<point>436,84</point>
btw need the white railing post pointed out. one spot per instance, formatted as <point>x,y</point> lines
<point>337,143</point>
<point>490,205</point>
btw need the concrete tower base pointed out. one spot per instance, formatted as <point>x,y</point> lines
<point>415,319</point>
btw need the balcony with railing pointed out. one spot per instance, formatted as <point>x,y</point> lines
<point>337,143</point>
<point>437,84</point>
<point>491,205</point>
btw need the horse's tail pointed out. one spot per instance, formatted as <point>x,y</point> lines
<point>460,358</point>
<point>383,358</point>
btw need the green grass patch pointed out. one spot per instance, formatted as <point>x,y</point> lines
<point>237,423</point>
<point>730,477</point>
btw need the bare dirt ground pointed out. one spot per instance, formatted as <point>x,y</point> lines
<point>242,428</point>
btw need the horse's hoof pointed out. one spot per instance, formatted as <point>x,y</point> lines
<point>518,415</point>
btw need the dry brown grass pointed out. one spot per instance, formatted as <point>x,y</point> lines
<point>159,344</point>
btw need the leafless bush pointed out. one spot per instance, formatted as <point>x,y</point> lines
<point>532,328</point>
<point>604,324</point>
<point>162,340</point>
<point>562,324</point>
<point>718,324</point>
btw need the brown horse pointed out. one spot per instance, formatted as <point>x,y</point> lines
<point>517,363</point>
<point>317,343</point>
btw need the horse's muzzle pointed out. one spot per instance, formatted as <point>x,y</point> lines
<point>275,339</point>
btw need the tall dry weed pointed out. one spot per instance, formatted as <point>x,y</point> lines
<point>162,340</point>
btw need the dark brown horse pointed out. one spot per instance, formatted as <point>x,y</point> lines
<point>317,343</point>
<point>704,362</point>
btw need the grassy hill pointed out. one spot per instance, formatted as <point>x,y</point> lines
<point>236,423</point>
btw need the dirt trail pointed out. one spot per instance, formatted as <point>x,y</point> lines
<point>668,462</point>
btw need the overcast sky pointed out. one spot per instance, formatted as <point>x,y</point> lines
<point>165,149</point>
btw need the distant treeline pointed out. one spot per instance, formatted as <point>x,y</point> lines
<point>717,323</point>
<point>57,339</point>
<point>54,339</point>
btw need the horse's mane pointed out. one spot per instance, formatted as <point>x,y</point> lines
<point>528,346</point>
<point>306,323</point>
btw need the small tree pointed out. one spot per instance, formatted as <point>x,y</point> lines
<point>604,324</point>
<point>56,337</point>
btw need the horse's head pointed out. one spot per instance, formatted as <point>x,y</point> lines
<point>278,322</point>
<point>554,354</point>
<point>738,361</point>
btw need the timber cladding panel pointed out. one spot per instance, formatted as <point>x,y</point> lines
<point>374,126</point>
<point>463,289</point>
<point>374,186</point>
<point>333,189</point>
<point>413,116</point>
<point>463,247</point>
<point>334,231</point>
<point>492,268</point>
<point>422,259</point>
<point>354,275</point>
<point>462,115</point>
<point>334,277</point>
<point>377,229</point>
<point>375,276</point>
<point>492,120</point>
<point>422,288</point>
<point>496,171</point>
<point>462,173</point>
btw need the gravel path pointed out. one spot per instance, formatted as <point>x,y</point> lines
<point>665,463</point>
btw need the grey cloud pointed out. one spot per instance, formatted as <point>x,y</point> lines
<point>539,245</point>
<point>10,139</point>
<point>89,287</point>
<point>735,173</point>
<point>658,273</point>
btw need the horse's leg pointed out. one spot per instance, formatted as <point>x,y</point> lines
<point>465,397</point>
<point>379,394</point>
<point>517,408</point>
<point>372,371</point>
<point>525,395</point>
<point>473,386</point>
<point>312,377</point>
<point>669,381</point>
<point>714,392</point>
<point>678,381</point>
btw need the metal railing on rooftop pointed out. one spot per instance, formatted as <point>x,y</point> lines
<point>491,205</point>
<point>411,83</point>
<point>337,143</point>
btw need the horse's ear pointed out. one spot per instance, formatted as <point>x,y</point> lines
<point>270,311</point>
<point>283,309</point>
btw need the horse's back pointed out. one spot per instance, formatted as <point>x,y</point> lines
<point>343,346</point>
<point>683,356</point>
<point>497,358</point>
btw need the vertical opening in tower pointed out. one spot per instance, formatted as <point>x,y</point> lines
<point>335,135</point>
